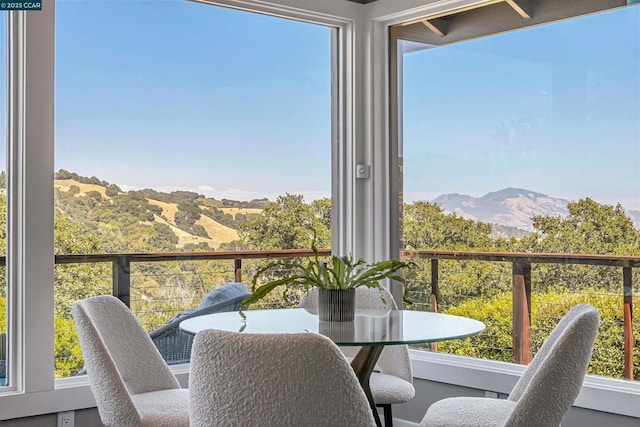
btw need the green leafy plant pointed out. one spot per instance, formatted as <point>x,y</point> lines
<point>339,272</point>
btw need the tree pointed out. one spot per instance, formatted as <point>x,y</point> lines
<point>426,226</point>
<point>76,281</point>
<point>112,190</point>
<point>288,223</point>
<point>590,228</point>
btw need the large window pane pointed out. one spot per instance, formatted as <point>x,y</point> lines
<point>183,127</point>
<point>527,142</point>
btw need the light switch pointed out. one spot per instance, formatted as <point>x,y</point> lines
<point>362,171</point>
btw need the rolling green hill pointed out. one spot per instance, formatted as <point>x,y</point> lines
<point>149,220</point>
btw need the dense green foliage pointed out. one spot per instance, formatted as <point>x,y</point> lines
<point>288,223</point>
<point>546,309</point>
<point>63,174</point>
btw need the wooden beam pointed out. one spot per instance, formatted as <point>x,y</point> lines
<point>520,7</point>
<point>435,28</point>
<point>627,287</point>
<point>521,300</point>
<point>453,12</point>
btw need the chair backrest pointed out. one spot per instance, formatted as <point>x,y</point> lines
<point>120,358</point>
<point>226,298</point>
<point>394,359</point>
<point>256,380</point>
<point>175,345</point>
<point>552,382</point>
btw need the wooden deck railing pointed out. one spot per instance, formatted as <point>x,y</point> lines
<point>521,289</point>
<point>521,279</point>
<point>121,263</point>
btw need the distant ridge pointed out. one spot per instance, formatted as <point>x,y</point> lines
<point>509,207</point>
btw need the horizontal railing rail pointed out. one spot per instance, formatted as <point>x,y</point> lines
<point>521,289</point>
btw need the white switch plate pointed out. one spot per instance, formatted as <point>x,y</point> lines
<point>362,171</point>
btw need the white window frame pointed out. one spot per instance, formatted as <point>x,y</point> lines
<point>598,393</point>
<point>362,207</point>
<point>34,390</point>
<point>29,226</point>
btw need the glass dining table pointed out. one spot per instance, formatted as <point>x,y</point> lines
<point>371,330</point>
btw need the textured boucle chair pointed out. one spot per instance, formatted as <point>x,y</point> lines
<point>130,381</point>
<point>546,390</point>
<point>287,380</point>
<point>174,344</point>
<point>392,383</point>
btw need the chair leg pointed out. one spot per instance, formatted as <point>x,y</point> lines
<point>388,418</point>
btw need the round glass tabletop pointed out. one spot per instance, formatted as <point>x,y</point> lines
<point>370,327</point>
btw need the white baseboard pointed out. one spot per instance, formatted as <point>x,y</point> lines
<point>404,423</point>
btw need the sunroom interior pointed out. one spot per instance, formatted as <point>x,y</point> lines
<point>381,121</point>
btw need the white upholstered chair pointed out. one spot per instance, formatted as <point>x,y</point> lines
<point>130,381</point>
<point>546,390</point>
<point>392,382</point>
<point>255,380</point>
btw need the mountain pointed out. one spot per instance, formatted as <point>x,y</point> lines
<point>510,208</point>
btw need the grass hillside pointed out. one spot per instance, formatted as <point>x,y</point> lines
<point>217,232</point>
<point>65,185</point>
<point>189,217</point>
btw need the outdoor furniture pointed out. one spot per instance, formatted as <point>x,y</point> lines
<point>546,390</point>
<point>393,383</point>
<point>286,380</point>
<point>131,383</point>
<point>175,345</point>
<point>371,330</point>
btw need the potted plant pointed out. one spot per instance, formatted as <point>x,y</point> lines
<point>336,280</point>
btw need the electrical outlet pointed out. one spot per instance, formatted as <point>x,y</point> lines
<point>66,419</point>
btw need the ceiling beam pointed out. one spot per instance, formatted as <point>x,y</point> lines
<point>455,11</point>
<point>521,7</point>
<point>436,28</point>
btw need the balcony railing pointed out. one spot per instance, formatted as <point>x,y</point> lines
<point>521,279</point>
<point>121,263</point>
<point>521,289</point>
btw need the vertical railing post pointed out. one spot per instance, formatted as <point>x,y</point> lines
<point>628,322</point>
<point>521,311</point>
<point>238,269</point>
<point>122,279</point>
<point>435,292</point>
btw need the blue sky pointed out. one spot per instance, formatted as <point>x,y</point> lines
<point>175,94</point>
<point>179,95</point>
<point>554,109</point>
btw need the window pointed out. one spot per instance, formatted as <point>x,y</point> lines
<point>524,142</point>
<point>183,127</point>
<point>33,389</point>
